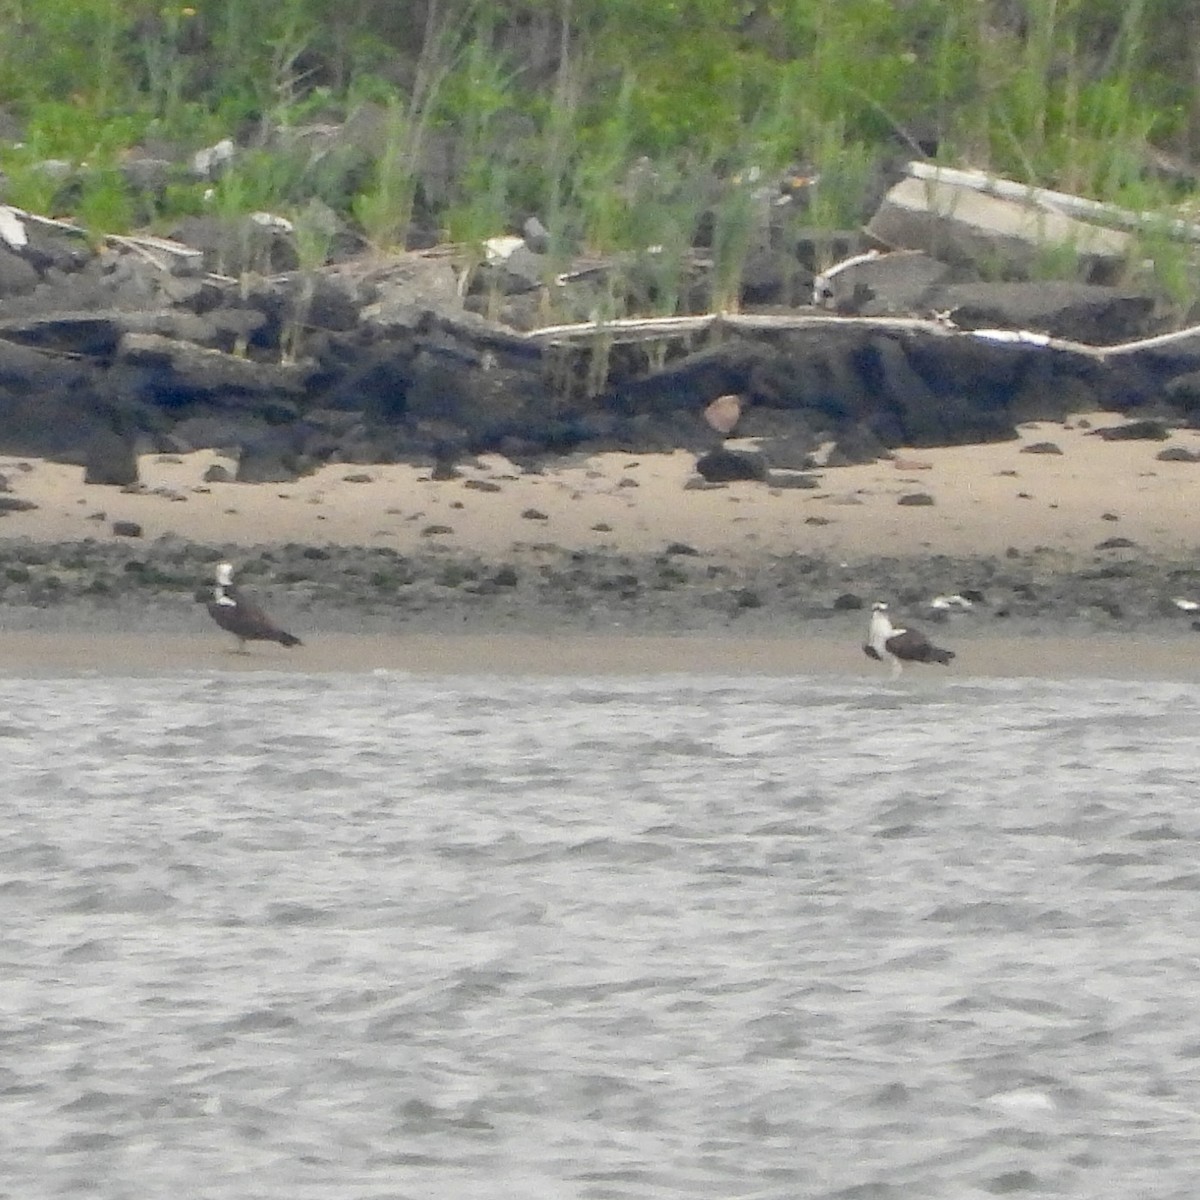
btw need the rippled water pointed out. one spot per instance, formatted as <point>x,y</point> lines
<point>393,937</point>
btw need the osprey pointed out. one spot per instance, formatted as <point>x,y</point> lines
<point>240,616</point>
<point>886,643</point>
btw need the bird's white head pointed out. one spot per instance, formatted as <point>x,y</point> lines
<point>879,606</point>
<point>224,574</point>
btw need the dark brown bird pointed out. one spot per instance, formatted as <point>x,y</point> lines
<point>239,615</point>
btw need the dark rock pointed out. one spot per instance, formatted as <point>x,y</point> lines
<point>1045,391</point>
<point>1178,454</point>
<point>916,499</point>
<point>534,514</point>
<point>691,383</point>
<point>10,504</point>
<point>17,276</point>
<point>848,602</point>
<point>110,460</point>
<point>1152,431</point>
<point>129,529</point>
<point>887,284</point>
<point>239,245</point>
<point>728,466</point>
<point>1082,312</point>
<point>217,473</point>
<point>275,457</point>
<point>1041,448</point>
<point>473,375</point>
<point>444,468</point>
<point>537,236</point>
<point>747,598</point>
<point>856,446</point>
<point>1116,543</point>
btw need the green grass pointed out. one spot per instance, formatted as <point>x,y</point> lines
<point>631,117</point>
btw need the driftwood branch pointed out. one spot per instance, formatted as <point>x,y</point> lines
<point>646,329</point>
<point>638,329</point>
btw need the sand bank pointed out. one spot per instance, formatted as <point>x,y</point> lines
<point>834,653</point>
<point>1080,551</point>
<point>986,500</point>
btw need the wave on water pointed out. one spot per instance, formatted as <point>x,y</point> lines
<point>404,936</point>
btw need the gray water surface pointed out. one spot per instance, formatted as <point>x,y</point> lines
<point>367,937</point>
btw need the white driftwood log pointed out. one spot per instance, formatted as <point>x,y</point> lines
<point>1074,206</point>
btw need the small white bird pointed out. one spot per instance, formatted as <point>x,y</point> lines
<point>1186,605</point>
<point>948,602</point>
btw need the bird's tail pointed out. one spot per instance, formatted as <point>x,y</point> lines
<point>938,655</point>
<point>288,639</point>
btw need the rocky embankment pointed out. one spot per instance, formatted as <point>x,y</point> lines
<point>150,344</point>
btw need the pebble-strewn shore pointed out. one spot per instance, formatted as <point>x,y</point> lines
<point>160,584</point>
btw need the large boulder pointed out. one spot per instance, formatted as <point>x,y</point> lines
<point>110,460</point>
<point>1082,312</point>
<point>962,226</point>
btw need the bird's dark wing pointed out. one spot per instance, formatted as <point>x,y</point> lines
<point>913,646</point>
<point>871,652</point>
<point>246,619</point>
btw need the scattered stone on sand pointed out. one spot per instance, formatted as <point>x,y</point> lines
<point>217,473</point>
<point>481,485</point>
<point>110,460</point>
<point>435,530</point>
<point>359,477</point>
<point>793,479</point>
<point>9,504</point>
<point>1153,431</point>
<point>732,466</point>
<point>1116,543</point>
<point>848,602</point>
<point>129,529</point>
<point>1109,516</point>
<point>1178,454</point>
<point>1042,448</point>
<point>534,514</point>
<point>916,500</point>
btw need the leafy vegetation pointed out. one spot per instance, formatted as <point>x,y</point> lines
<point>480,113</point>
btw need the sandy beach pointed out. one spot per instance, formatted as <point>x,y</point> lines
<point>997,513</point>
<point>986,500</point>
